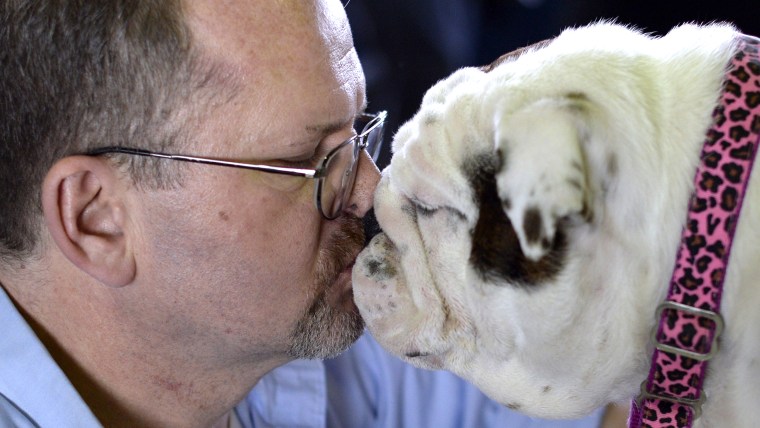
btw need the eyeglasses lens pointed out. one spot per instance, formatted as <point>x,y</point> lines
<point>341,169</point>
<point>339,180</point>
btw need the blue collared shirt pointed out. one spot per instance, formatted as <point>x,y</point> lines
<point>364,387</point>
<point>34,392</point>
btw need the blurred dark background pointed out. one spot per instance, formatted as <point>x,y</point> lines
<point>407,45</point>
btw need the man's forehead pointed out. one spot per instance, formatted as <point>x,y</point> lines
<point>259,24</point>
<point>264,38</point>
<point>293,61</point>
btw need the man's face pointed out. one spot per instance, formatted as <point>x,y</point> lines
<point>239,262</point>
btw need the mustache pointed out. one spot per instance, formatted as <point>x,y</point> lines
<point>342,248</point>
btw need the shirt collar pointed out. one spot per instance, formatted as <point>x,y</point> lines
<point>30,378</point>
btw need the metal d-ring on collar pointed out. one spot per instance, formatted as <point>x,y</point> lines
<point>682,397</point>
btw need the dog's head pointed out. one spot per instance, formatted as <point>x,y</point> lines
<point>517,252</point>
<point>448,284</point>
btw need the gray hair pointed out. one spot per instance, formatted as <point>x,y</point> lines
<point>78,75</point>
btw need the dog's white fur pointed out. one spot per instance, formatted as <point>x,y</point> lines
<point>601,131</point>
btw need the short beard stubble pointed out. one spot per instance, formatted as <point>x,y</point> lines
<point>325,331</point>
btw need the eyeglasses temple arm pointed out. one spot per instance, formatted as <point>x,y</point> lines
<point>298,172</point>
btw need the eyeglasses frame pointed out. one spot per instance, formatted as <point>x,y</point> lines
<point>318,173</point>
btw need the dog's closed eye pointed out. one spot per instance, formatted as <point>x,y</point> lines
<point>422,209</point>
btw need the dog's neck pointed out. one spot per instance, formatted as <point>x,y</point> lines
<point>690,321</point>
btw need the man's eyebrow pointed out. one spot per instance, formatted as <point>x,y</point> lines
<point>325,129</point>
<point>330,128</point>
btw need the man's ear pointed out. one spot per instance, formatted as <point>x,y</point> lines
<point>84,208</point>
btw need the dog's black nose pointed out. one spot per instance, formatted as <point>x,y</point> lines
<point>371,227</point>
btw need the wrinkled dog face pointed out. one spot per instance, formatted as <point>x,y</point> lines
<point>448,284</point>
<point>499,238</point>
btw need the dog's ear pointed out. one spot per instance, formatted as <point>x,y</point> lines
<point>541,176</point>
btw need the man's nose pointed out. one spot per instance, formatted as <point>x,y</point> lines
<point>362,196</point>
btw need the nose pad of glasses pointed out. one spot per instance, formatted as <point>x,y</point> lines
<point>371,226</point>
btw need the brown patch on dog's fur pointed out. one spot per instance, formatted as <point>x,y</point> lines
<point>496,253</point>
<point>514,54</point>
<point>532,224</point>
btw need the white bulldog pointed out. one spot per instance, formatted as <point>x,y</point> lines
<point>531,216</point>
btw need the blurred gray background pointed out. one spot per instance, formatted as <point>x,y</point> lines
<point>407,45</point>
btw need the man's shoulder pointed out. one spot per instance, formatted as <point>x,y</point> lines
<point>34,391</point>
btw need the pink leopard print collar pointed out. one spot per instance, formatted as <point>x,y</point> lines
<point>690,321</point>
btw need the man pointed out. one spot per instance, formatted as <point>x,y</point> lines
<point>163,291</point>
<point>143,289</point>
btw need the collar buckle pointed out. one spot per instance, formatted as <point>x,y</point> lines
<point>715,317</point>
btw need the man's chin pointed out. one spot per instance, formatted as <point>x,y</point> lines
<point>327,330</point>
<point>332,322</point>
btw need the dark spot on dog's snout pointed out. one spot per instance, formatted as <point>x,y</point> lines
<point>379,270</point>
<point>496,254</point>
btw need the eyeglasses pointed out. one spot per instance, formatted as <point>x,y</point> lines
<point>335,173</point>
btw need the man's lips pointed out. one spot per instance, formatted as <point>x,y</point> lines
<point>345,274</point>
<point>343,285</point>
<point>348,265</point>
